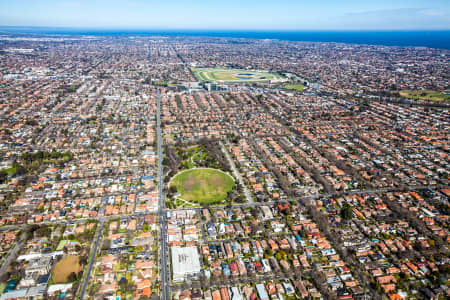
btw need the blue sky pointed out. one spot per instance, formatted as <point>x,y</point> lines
<point>229,14</point>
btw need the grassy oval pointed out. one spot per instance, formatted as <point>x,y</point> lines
<point>203,186</point>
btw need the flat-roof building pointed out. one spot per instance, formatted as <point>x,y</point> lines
<point>185,262</point>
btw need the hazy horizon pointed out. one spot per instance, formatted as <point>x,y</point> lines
<point>160,29</point>
<point>233,15</point>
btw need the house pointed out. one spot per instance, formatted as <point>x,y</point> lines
<point>262,293</point>
<point>236,294</point>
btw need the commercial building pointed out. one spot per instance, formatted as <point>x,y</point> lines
<point>185,263</point>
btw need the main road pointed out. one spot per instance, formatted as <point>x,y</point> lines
<point>13,254</point>
<point>92,259</point>
<point>161,207</point>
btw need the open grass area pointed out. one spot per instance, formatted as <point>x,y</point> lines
<point>62,244</point>
<point>233,75</point>
<point>64,268</point>
<point>296,87</point>
<point>203,186</point>
<point>2,287</point>
<point>426,95</point>
<point>11,171</point>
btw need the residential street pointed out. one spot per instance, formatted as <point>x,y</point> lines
<point>237,174</point>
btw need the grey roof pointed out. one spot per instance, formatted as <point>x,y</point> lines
<point>14,294</point>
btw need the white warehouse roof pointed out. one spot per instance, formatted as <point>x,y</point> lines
<point>185,261</point>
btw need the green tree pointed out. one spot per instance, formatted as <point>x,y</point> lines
<point>3,176</point>
<point>347,212</point>
<point>72,277</point>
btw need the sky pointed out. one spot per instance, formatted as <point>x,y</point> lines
<point>229,14</point>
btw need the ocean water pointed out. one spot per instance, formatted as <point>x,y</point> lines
<point>432,39</point>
